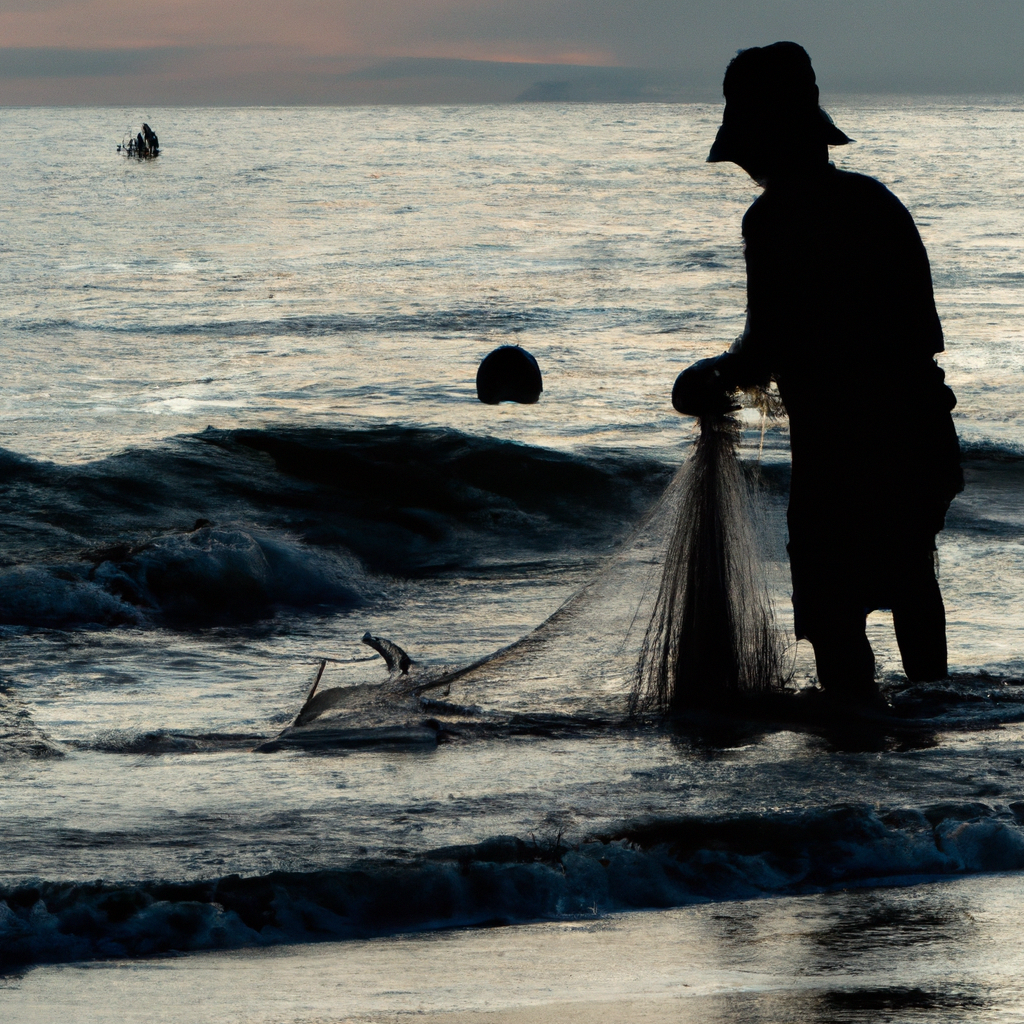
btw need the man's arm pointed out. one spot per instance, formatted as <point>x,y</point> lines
<point>708,385</point>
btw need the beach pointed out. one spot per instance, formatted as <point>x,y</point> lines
<point>241,431</point>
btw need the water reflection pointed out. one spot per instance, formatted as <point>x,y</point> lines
<point>927,953</point>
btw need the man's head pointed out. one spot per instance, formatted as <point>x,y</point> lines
<point>772,122</point>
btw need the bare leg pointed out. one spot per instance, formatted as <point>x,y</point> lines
<point>919,618</point>
<point>843,656</point>
<point>828,612</point>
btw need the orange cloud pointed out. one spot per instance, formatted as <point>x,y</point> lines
<point>507,53</point>
<point>467,29</point>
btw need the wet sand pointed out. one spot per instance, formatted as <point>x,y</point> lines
<point>942,951</point>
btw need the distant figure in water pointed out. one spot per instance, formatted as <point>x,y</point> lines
<point>143,145</point>
<point>840,313</point>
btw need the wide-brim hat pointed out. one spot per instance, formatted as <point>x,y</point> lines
<point>771,98</point>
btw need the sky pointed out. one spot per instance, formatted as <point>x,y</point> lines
<point>366,51</point>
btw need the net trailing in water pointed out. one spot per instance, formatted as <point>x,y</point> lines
<point>712,633</point>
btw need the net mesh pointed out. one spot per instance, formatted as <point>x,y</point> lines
<point>712,632</point>
<point>680,616</point>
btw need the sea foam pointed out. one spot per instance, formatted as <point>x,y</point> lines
<point>656,864</point>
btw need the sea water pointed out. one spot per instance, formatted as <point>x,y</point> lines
<point>240,429</point>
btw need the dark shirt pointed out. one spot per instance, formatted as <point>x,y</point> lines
<point>840,312</point>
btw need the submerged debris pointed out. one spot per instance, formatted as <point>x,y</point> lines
<point>143,145</point>
<point>392,654</point>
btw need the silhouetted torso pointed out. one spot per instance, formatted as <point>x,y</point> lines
<point>841,313</point>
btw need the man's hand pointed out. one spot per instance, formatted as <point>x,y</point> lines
<point>704,389</point>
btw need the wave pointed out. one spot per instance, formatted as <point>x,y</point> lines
<point>472,319</point>
<point>980,451</point>
<point>19,735</point>
<point>486,320</point>
<point>203,577</point>
<point>504,880</point>
<point>228,526</point>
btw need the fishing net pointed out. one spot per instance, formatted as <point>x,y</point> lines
<point>712,632</point>
<point>680,617</point>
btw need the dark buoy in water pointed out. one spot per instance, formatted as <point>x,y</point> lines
<point>508,374</point>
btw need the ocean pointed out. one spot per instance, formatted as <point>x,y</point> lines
<point>240,430</point>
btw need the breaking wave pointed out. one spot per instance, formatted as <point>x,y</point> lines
<point>504,880</point>
<point>228,526</point>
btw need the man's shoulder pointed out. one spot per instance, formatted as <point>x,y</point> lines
<point>848,193</point>
<point>861,188</point>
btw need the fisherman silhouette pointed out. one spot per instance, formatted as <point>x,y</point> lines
<point>840,313</point>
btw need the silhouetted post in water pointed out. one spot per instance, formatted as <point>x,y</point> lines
<point>840,313</point>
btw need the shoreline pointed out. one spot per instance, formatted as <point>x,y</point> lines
<point>941,948</point>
